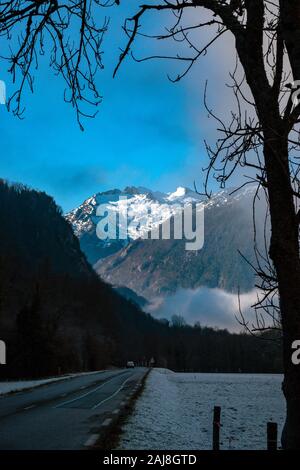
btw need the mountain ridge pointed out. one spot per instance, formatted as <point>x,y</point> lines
<point>160,267</point>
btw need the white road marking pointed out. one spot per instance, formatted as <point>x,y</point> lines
<point>29,407</point>
<point>85,394</point>
<point>111,396</point>
<point>106,422</point>
<point>116,412</point>
<point>91,440</point>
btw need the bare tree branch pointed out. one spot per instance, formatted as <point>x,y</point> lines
<point>37,28</point>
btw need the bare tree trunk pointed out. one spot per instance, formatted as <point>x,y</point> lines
<point>284,252</point>
<point>290,26</point>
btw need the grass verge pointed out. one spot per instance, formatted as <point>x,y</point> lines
<point>111,438</point>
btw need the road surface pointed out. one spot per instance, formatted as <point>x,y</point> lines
<point>69,414</point>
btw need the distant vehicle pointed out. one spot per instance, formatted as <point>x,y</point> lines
<point>130,365</point>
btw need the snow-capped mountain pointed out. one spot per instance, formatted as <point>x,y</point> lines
<point>150,267</point>
<point>146,210</point>
<point>140,200</point>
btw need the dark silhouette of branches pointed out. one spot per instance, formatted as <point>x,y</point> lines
<point>179,32</point>
<point>64,31</point>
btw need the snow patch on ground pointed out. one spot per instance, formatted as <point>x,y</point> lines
<point>175,411</point>
<point>8,387</point>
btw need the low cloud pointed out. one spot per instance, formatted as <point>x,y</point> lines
<point>78,179</point>
<point>210,307</point>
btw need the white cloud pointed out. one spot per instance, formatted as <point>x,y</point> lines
<point>211,307</point>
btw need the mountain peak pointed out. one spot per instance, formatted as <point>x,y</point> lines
<point>183,194</point>
<point>136,190</point>
<point>179,192</point>
<point>140,201</point>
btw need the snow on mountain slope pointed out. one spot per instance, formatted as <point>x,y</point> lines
<point>146,210</point>
<point>141,201</point>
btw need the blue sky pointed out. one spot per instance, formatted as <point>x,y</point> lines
<point>148,132</point>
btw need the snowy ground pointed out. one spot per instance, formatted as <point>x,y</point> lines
<point>8,387</point>
<point>175,411</point>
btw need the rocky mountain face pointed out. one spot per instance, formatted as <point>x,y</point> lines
<point>135,205</point>
<point>160,267</point>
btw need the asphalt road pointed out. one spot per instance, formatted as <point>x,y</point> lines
<point>70,414</point>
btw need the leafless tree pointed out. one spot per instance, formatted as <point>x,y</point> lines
<point>63,32</point>
<point>263,136</point>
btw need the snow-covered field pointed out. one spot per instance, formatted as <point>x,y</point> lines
<point>175,411</point>
<point>8,387</point>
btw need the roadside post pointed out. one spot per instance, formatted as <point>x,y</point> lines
<point>216,427</point>
<point>272,435</point>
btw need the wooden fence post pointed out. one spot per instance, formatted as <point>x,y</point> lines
<point>216,428</point>
<point>272,436</point>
